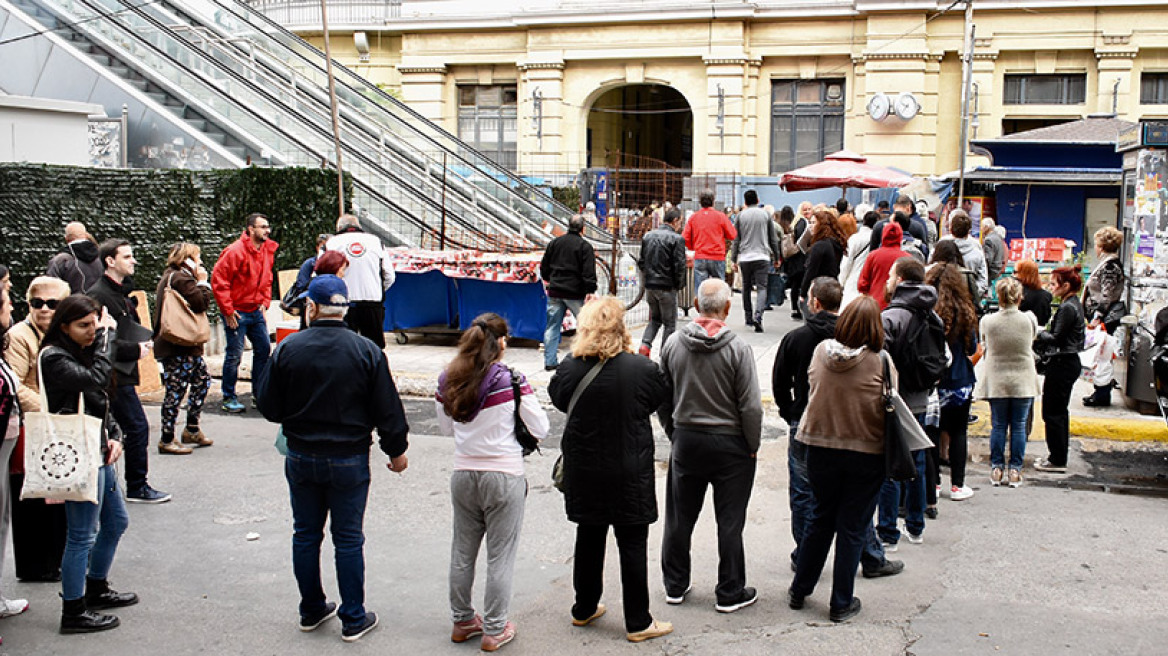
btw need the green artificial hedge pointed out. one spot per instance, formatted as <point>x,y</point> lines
<point>154,209</point>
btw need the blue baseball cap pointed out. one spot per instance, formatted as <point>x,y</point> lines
<point>327,290</point>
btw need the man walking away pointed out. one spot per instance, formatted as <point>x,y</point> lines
<point>662,264</point>
<point>568,269</point>
<point>714,421</point>
<point>78,263</point>
<point>132,343</point>
<point>369,276</point>
<point>329,388</point>
<point>790,382</point>
<point>242,283</point>
<point>916,227</point>
<point>755,248</point>
<point>907,328</point>
<point>706,234</point>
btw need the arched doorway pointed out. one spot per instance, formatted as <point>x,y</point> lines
<point>644,120</point>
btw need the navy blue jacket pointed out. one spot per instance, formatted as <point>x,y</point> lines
<point>330,387</point>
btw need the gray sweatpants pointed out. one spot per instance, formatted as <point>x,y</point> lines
<point>491,504</point>
<point>6,449</point>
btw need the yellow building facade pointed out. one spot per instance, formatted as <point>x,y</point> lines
<point>756,89</point>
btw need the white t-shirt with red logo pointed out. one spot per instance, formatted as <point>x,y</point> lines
<point>370,272</point>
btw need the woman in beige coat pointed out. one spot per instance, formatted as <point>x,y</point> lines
<point>1009,380</point>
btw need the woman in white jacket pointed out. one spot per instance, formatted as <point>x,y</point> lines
<point>858,248</point>
<point>488,489</point>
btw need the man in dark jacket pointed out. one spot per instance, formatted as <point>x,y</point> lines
<point>133,342</point>
<point>714,421</point>
<point>77,264</point>
<point>916,227</point>
<point>790,384</point>
<point>329,388</point>
<point>912,302</point>
<point>568,269</point>
<point>662,264</point>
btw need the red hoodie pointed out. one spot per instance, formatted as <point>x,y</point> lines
<point>874,275</point>
<point>706,234</point>
<point>242,278</point>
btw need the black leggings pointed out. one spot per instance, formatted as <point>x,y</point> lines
<point>955,422</point>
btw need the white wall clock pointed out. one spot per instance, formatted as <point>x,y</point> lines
<point>907,106</point>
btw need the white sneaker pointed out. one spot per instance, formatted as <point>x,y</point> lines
<point>960,493</point>
<point>10,607</point>
<point>914,539</point>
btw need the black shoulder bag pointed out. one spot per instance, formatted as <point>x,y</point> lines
<point>522,434</point>
<point>898,459</point>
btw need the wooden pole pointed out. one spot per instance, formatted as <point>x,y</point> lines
<point>332,84</point>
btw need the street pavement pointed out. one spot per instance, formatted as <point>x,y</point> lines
<point>1037,570</point>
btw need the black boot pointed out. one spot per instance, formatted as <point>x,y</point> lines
<point>98,595</point>
<point>1100,399</point>
<point>76,619</point>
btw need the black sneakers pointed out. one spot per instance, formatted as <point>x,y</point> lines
<point>147,495</point>
<point>310,622</point>
<point>847,612</point>
<point>888,568</point>
<point>747,597</point>
<point>355,632</point>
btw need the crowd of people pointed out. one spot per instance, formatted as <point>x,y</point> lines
<point>886,304</point>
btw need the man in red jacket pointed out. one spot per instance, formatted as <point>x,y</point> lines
<point>874,275</point>
<point>706,233</point>
<point>242,283</point>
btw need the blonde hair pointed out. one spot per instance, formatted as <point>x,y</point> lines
<point>602,330</point>
<point>1009,292</point>
<point>48,285</point>
<point>181,252</point>
<point>1108,239</point>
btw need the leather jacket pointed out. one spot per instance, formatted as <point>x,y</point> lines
<point>663,259</point>
<point>66,378</point>
<point>1067,330</point>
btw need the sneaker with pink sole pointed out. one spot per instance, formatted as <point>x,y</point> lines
<point>494,642</point>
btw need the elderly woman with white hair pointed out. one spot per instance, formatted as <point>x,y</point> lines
<point>38,529</point>
<point>994,246</point>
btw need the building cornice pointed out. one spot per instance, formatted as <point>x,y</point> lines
<point>406,69</point>
<point>1116,54</point>
<point>542,66</point>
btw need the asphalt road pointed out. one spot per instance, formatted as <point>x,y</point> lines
<point>1028,571</point>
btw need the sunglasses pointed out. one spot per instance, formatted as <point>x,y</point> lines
<point>39,303</point>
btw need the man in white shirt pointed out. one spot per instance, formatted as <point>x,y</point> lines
<point>369,275</point>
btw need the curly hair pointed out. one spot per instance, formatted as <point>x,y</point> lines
<point>954,304</point>
<point>827,226</point>
<point>602,331</point>
<point>1108,239</point>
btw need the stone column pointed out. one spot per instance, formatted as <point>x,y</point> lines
<point>541,138</point>
<point>424,90</point>
<point>723,149</point>
<point>1116,89</point>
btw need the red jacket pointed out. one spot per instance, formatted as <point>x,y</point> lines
<point>707,232</point>
<point>874,275</point>
<point>242,279</point>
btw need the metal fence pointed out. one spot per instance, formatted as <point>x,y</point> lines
<point>295,14</point>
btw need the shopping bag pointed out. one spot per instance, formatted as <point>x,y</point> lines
<point>776,288</point>
<point>178,323</point>
<point>62,453</point>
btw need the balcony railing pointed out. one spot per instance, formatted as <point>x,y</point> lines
<point>295,14</point>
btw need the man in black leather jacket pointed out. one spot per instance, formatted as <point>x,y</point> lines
<point>568,268</point>
<point>662,264</point>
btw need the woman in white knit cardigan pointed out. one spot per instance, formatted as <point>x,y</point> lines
<point>1009,380</point>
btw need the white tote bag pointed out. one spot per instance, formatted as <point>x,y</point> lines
<point>62,453</point>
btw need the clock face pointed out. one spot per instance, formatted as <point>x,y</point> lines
<point>879,106</point>
<point>907,106</point>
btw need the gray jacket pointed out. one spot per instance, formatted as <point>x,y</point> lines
<point>974,261</point>
<point>994,248</point>
<point>715,389</point>
<point>757,237</point>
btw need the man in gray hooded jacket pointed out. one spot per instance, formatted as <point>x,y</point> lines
<point>714,421</point>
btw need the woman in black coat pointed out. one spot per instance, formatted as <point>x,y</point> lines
<point>1062,342</point>
<point>608,462</point>
<point>828,246</point>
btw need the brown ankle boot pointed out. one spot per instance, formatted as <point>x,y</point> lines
<point>195,437</point>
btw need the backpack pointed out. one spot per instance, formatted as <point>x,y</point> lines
<point>909,245</point>
<point>923,344</point>
<point>789,248</point>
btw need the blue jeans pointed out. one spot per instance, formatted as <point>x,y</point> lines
<point>252,326</point>
<point>555,320</point>
<point>802,500</point>
<point>333,488</point>
<point>93,534</point>
<point>127,410</point>
<point>1008,414</point>
<point>704,269</point>
<point>914,504</point>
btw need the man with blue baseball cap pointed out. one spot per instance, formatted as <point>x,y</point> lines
<point>329,388</point>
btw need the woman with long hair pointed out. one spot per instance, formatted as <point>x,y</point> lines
<point>77,361</point>
<point>955,390</point>
<point>488,488</point>
<point>1035,299</point>
<point>38,528</point>
<point>829,244</point>
<point>844,434</point>
<point>1062,344</point>
<point>11,420</point>
<point>794,264</point>
<point>947,252</point>
<point>1010,381</point>
<point>184,372</point>
<point>608,462</point>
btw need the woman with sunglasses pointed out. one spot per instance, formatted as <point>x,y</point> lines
<point>38,529</point>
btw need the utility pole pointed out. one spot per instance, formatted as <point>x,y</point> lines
<point>328,58</point>
<point>966,82</point>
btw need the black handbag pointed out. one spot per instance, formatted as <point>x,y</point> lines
<point>522,434</point>
<point>898,459</point>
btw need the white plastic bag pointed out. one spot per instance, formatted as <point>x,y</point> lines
<point>62,453</point>
<point>1096,359</point>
